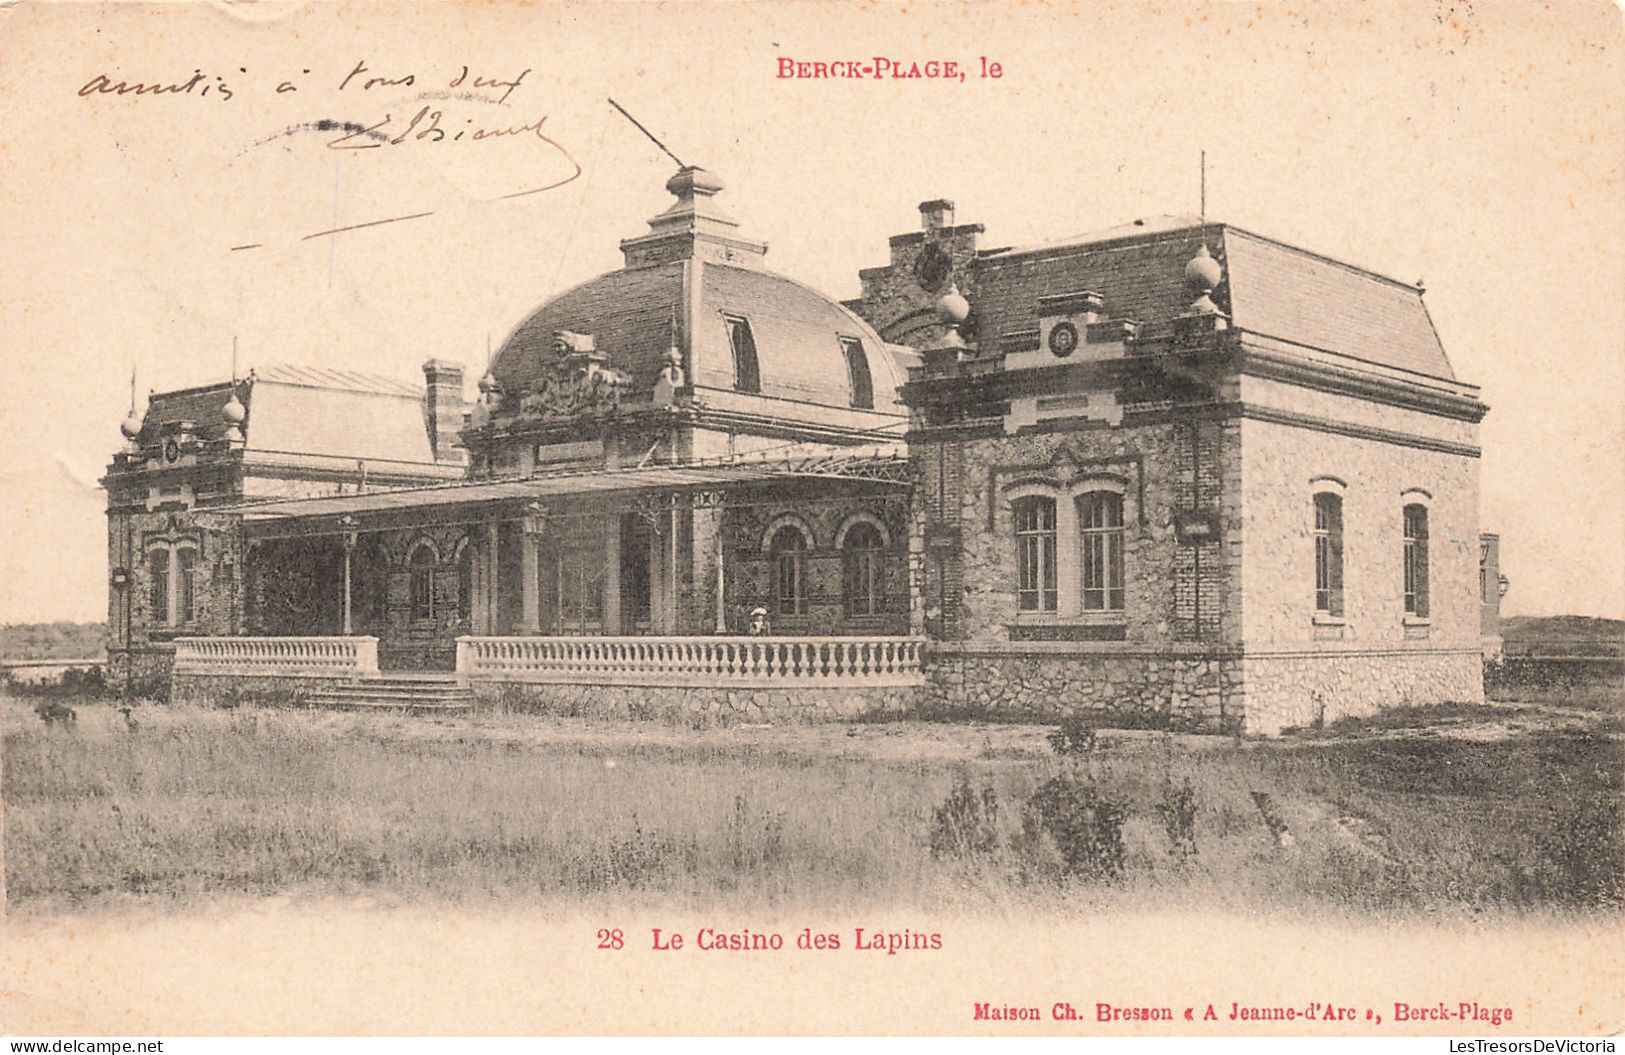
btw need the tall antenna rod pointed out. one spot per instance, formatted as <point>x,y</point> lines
<point>132,387</point>
<point>1204,188</point>
<point>234,358</point>
<point>648,133</point>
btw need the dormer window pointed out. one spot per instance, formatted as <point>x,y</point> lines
<point>859,385</point>
<point>747,376</point>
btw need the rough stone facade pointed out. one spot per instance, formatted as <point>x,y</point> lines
<point>1173,396</point>
<point>1191,689</point>
<point>1216,439</point>
<point>195,452</point>
<point>826,523</point>
<point>228,691</point>
<point>701,705</point>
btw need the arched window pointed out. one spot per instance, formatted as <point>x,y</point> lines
<point>1416,560</point>
<point>860,386</point>
<point>747,376</point>
<point>864,556</point>
<point>158,580</point>
<point>1100,530</point>
<point>1035,554</point>
<point>789,552</point>
<point>421,566</point>
<point>1328,554</point>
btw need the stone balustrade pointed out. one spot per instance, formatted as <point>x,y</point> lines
<point>282,657</point>
<point>723,662</point>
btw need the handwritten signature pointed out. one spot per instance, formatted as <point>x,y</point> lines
<point>425,127</point>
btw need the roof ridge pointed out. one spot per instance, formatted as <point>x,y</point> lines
<point>334,377</point>
<point>1344,264</point>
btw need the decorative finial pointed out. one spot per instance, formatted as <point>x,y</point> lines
<point>952,311</point>
<point>1203,272</point>
<point>952,308</point>
<point>671,377</point>
<point>130,427</point>
<point>234,413</point>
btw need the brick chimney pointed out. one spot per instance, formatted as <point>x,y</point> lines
<point>445,410</point>
<point>936,214</point>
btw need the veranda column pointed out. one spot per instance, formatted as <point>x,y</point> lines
<point>721,584</point>
<point>349,523</point>
<point>492,606</point>
<point>532,527</point>
<point>612,577</point>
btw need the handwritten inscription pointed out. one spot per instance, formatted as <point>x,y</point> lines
<point>360,78</point>
<point>424,108</point>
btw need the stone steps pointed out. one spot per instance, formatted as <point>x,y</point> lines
<point>405,693</point>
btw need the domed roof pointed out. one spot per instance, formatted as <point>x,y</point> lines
<point>683,284</point>
<point>798,334</point>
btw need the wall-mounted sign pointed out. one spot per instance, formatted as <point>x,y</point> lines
<point>1193,527</point>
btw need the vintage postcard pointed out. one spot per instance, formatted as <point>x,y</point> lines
<point>1088,519</point>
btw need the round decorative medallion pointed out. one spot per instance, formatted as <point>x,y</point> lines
<point>932,266</point>
<point>1063,339</point>
<point>172,451</point>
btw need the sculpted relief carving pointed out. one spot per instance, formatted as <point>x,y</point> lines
<point>577,380</point>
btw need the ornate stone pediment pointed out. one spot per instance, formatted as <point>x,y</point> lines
<point>576,381</point>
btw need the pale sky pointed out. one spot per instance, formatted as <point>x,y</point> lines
<point>1477,147</point>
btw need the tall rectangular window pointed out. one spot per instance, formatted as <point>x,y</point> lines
<point>1100,529</point>
<point>747,375</point>
<point>185,585</point>
<point>1035,554</point>
<point>158,582</point>
<point>1416,561</point>
<point>1328,554</point>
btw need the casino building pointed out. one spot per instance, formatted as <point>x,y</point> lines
<point>1173,471</point>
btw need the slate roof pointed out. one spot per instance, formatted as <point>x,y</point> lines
<point>304,410</point>
<point>797,332</point>
<point>628,313</point>
<point>1269,288</point>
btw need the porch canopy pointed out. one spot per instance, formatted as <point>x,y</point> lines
<point>872,465</point>
<point>612,567</point>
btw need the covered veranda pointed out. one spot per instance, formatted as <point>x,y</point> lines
<point>612,576</point>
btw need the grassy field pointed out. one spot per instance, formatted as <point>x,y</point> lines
<point>1463,811</point>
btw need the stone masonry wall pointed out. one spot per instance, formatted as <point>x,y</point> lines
<point>750,568</point>
<point>218,691</point>
<point>1152,464</point>
<point>140,652</point>
<point>1194,692</point>
<point>701,705</point>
